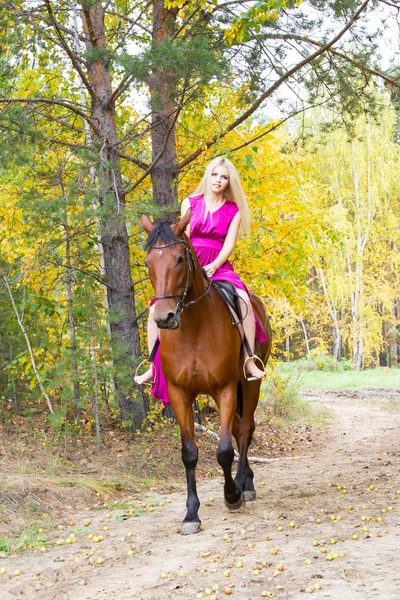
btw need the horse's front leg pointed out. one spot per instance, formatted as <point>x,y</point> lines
<point>182,407</point>
<point>226,401</point>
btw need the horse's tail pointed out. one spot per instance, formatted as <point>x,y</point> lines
<point>239,399</point>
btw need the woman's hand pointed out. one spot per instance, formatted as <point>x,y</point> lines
<point>210,269</point>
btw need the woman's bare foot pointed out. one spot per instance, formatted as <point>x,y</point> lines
<point>252,372</point>
<point>145,377</point>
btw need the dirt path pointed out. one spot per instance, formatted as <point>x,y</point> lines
<point>351,482</point>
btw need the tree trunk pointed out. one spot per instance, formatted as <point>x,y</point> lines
<point>163,91</point>
<point>357,316</point>
<point>96,392</point>
<point>337,337</point>
<point>303,326</point>
<point>125,337</point>
<point>337,343</point>
<point>393,338</point>
<point>92,168</point>
<point>71,318</point>
<point>287,345</point>
<point>14,383</point>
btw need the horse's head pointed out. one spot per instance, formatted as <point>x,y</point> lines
<point>170,268</point>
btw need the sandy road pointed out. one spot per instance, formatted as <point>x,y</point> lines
<point>350,483</point>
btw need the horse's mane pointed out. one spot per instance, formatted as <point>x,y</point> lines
<point>162,231</point>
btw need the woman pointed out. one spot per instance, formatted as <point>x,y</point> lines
<point>220,214</point>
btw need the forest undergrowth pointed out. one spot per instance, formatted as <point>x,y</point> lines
<point>46,470</point>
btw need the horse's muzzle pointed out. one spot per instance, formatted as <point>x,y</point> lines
<point>171,321</point>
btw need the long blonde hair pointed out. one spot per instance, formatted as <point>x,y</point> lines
<point>233,192</point>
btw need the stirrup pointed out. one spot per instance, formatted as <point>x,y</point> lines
<point>251,377</point>
<point>149,383</point>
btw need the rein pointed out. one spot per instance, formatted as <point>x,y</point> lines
<point>190,266</point>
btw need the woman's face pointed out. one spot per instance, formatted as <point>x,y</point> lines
<point>219,179</point>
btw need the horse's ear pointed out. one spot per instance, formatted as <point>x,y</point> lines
<point>181,225</point>
<point>146,223</point>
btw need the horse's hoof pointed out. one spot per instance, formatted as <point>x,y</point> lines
<point>249,495</point>
<point>235,505</point>
<point>190,527</point>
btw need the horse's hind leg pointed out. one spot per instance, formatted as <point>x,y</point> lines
<point>243,430</point>
<point>183,410</point>
<point>226,401</point>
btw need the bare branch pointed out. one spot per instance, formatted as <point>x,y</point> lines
<point>28,343</point>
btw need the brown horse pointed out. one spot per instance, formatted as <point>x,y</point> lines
<point>201,354</point>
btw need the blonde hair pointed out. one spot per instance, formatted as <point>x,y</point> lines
<point>233,192</point>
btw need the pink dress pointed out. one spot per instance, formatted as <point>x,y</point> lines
<point>207,234</point>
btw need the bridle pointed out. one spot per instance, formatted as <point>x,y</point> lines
<point>190,266</point>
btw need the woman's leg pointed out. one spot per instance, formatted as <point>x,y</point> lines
<point>152,335</point>
<point>249,328</point>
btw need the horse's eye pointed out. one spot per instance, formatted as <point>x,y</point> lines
<point>180,259</point>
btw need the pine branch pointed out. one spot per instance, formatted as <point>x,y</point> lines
<point>346,57</point>
<point>71,268</point>
<point>245,115</point>
<point>68,50</point>
<point>50,101</point>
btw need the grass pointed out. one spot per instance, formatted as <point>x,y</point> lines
<point>30,538</point>
<point>98,486</point>
<point>281,396</point>
<point>378,378</point>
<point>5,547</point>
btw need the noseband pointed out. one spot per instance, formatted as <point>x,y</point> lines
<point>190,266</point>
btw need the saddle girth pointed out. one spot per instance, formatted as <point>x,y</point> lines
<point>231,298</point>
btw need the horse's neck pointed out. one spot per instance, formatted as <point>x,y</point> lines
<point>198,289</point>
<point>199,284</point>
